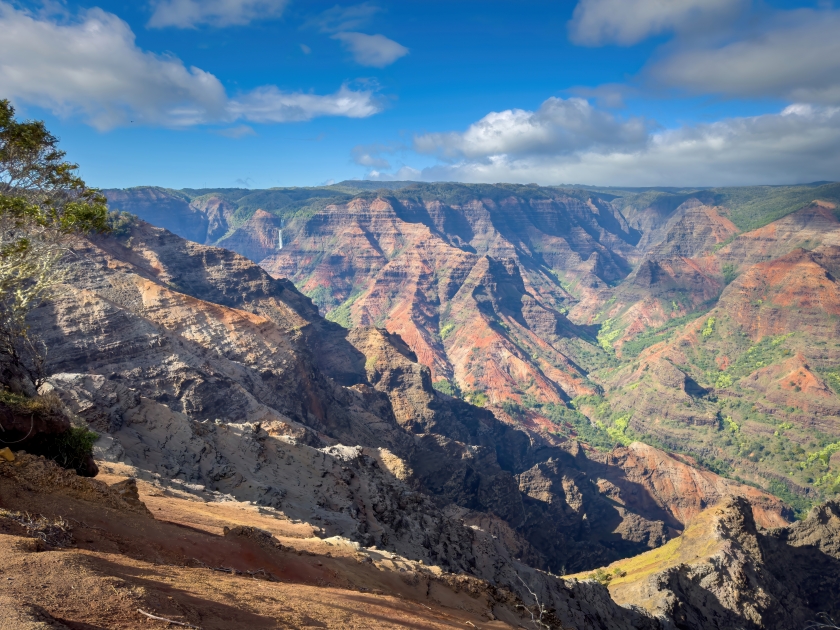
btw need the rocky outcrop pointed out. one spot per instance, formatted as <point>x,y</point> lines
<point>651,479</point>
<point>723,572</point>
<point>693,229</point>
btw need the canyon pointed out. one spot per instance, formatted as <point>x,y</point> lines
<point>437,406</point>
<point>601,314</point>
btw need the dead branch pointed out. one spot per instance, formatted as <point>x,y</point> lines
<point>537,621</point>
<point>177,623</point>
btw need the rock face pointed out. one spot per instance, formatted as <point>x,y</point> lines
<point>471,285</point>
<point>725,573</point>
<point>204,370</point>
<point>654,478</point>
<point>663,316</point>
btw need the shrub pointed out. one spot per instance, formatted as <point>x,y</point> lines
<point>729,273</point>
<point>69,446</point>
<point>120,223</point>
<point>447,387</point>
<point>71,450</point>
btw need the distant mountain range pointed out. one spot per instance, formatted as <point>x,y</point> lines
<point>702,321</point>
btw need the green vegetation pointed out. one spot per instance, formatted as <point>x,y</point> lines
<point>730,272</point>
<point>823,454</point>
<point>618,431</point>
<point>25,405</point>
<point>513,409</point>
<point>43,204</point>
<point>832,378</point>
<point>71,449</point>
<point>731,425</point>
<point>571,422</point>
<point>342,315</point>
<point>723,244</point>
<point>447,387</point>
<point>120,223</point>
<point>635,346</point>
<point>799,503</point>
<point>723,380</point>
<point>607,335</point>
<point>604,577</point>
<point>477,398</point>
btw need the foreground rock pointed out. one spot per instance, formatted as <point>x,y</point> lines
<point>724,572</point>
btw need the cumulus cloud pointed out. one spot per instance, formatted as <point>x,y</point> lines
<point>626,22</point>
<point>372,50</point>
<point>799,144</point>
<point>192,13</point>
<point>795,55</point>
<point>559,126</point>
<point>91,67</point>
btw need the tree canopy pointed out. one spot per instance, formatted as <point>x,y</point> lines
<point>43,203</point>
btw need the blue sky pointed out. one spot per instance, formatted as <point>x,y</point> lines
<point>261,93</point>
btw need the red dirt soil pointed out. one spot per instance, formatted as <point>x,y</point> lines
<point>123,560</point>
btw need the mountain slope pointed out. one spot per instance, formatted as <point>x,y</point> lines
<point>602,315</point>
<point>725,573</point>
<point>208,362</point>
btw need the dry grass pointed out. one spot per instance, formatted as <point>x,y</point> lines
<point>55,533</point>
<point>694,543</point>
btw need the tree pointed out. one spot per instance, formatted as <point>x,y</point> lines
<point>43,205</point>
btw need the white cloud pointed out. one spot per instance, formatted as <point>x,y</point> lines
<point>609,95</point>
<point>558,126</point>
<point>376,51</point>
<point>796,56</point>
<point>92,68</point>
<point>372,50</point>
<point>191,13</point>
<point>371,156</point>
<point>404,174</point>
<point>270,105</point>
<point>625,22</point>
<point>799,144</point>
